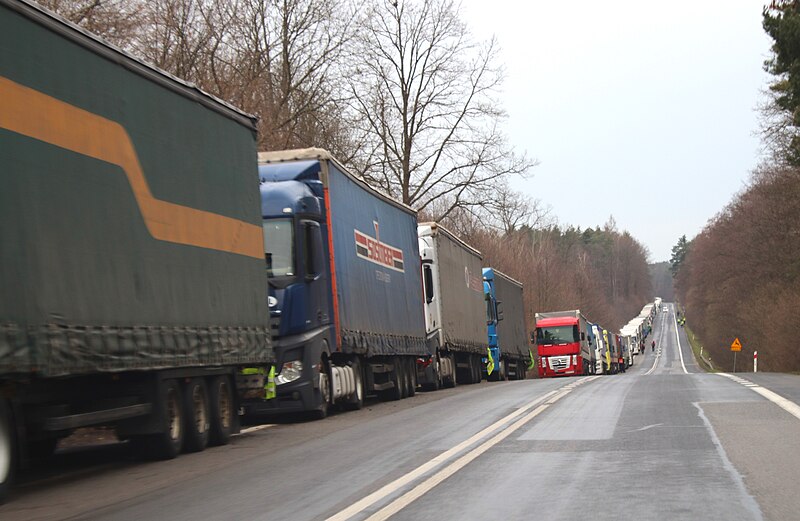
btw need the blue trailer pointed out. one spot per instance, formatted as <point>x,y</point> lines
<point>346,303</point>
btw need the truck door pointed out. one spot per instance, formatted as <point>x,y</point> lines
<point>316,274</point>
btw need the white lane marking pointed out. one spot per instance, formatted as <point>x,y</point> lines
<point>406,499</point>
<point>748,501</point>
<point>655,362</point>
<point>441,459</point>
<point>658,350</point>
<point>647,427</point>
<point>678,338</point>
<point>785,404</point>
<point>256,428</point>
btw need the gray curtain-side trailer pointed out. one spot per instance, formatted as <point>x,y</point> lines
<point>455,309</point>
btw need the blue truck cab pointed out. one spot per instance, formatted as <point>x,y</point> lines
<point>345,287</point>
<point>300,303</point>
<point>492,367</point>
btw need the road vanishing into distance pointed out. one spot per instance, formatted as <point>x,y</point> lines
<point>662,441</point>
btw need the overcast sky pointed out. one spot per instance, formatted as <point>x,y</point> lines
<point>641,110</point>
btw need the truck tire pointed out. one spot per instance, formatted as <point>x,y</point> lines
<point>435,375</point>
<point>411,372</point>
<point>402,376</point>
<point>452,380</point>
<point>395,393</point>
<point>325,392</point>
<point>220,408</point>
<point>8,450</point>
<point>476,369</point>
<point>356,401</point>
<point>169,443</point>
<point>197,423</point>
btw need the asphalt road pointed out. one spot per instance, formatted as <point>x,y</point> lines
<point>662,441</point>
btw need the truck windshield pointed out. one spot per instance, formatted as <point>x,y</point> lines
<point>279,247</point>
<point>557,335</point>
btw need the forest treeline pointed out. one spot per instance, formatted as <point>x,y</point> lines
<point>740,277</point>
<point>406,97</point>
<point>601,271</point>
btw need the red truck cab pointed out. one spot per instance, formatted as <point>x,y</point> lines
<point>561,344</point>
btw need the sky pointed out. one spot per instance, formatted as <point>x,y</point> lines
<point>646,111</point>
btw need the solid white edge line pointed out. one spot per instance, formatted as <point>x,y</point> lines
<point>390,488</point>
<point>678,338</point>
<point>784,403</point>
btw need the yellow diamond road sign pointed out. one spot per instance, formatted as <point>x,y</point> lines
<point>736,345</point>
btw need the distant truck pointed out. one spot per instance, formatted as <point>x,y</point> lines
<point>562,344</point>
<point>507,337</point>
<point>602,359</point>
<point>629,337</point>
<point>614,353</point>
<point>455,309</point>
<point>133,283</point>
<point>346,302</point>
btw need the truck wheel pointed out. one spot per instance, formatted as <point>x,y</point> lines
<point>402,376</point>
<point>396,392</point>
<point>411,371</point>
<point>452,380</point>
<point>220,408</point>
<point>8,452</point>
<point>356,401</point>
<point>166,444</point>
<point>324,391</point>
<point>432,373</point>
<point>197,424</point>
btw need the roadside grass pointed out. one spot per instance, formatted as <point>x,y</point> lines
<point>704,363</point>
<point>703,360</point>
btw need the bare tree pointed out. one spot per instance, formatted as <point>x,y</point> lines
<point>283,63</point>
<point>117,21</point>
<point>510,210</point>
<point>424,93</point>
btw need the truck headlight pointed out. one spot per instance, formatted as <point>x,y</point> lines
<point>290,371</point>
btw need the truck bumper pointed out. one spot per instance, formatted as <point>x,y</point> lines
<point>302,394</point>
<point>295,397</point>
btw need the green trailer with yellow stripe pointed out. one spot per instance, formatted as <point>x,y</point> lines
<point>133,286</point>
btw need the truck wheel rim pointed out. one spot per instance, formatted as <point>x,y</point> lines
<point>5,450</point>
<point>324,388</point>
<point>359,387</point>
<point>173,413</point>
<point>200,416</point>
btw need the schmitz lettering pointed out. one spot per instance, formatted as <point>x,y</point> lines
<point>373,250</point>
